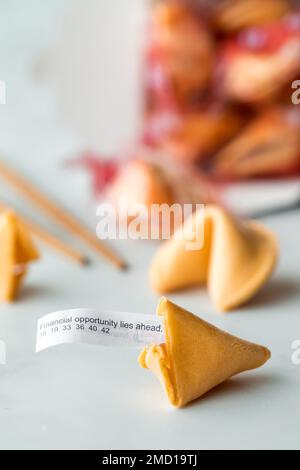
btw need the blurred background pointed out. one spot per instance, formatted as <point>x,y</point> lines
<point>200,89</point>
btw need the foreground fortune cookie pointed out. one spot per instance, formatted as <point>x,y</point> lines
<point>197,356</point>
<point>236,259</point>
<point>16,251</point>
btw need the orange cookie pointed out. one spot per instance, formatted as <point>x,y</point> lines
<point>17,250</point>
<point>197,356</point>
<point>235,261</point>
<point>269,145</point>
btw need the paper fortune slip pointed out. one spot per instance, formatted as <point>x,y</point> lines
<point>98,327</point>
<point>192,358</point>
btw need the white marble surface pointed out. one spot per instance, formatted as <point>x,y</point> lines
<point>96,398</point>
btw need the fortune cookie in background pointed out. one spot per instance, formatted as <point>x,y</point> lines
<point>146,182</point>
<point>255,66</point>
<point>235,259</point>
<point>197,356</point>
<point>268,146</point>
<point>180,51</point>
<point>16,251</point>
<point>230,17</point>
<point>190,136</point>
<point>141,182</point>
<point>135,183</point>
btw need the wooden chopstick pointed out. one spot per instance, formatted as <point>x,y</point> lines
<point>58,214</point>
<point>51,240</point>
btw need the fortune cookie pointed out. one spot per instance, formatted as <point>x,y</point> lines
<point>192,136</point>
<point>268,146</point>
<point>258,74</point>
<point>16,251</point>
<point>233,16</point>
<point>142,182</point>
<point>181,51</point>
<point>235,260</point>
<point>196,356</point>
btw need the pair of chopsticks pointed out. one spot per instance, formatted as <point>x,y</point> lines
<point>60,216</point>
